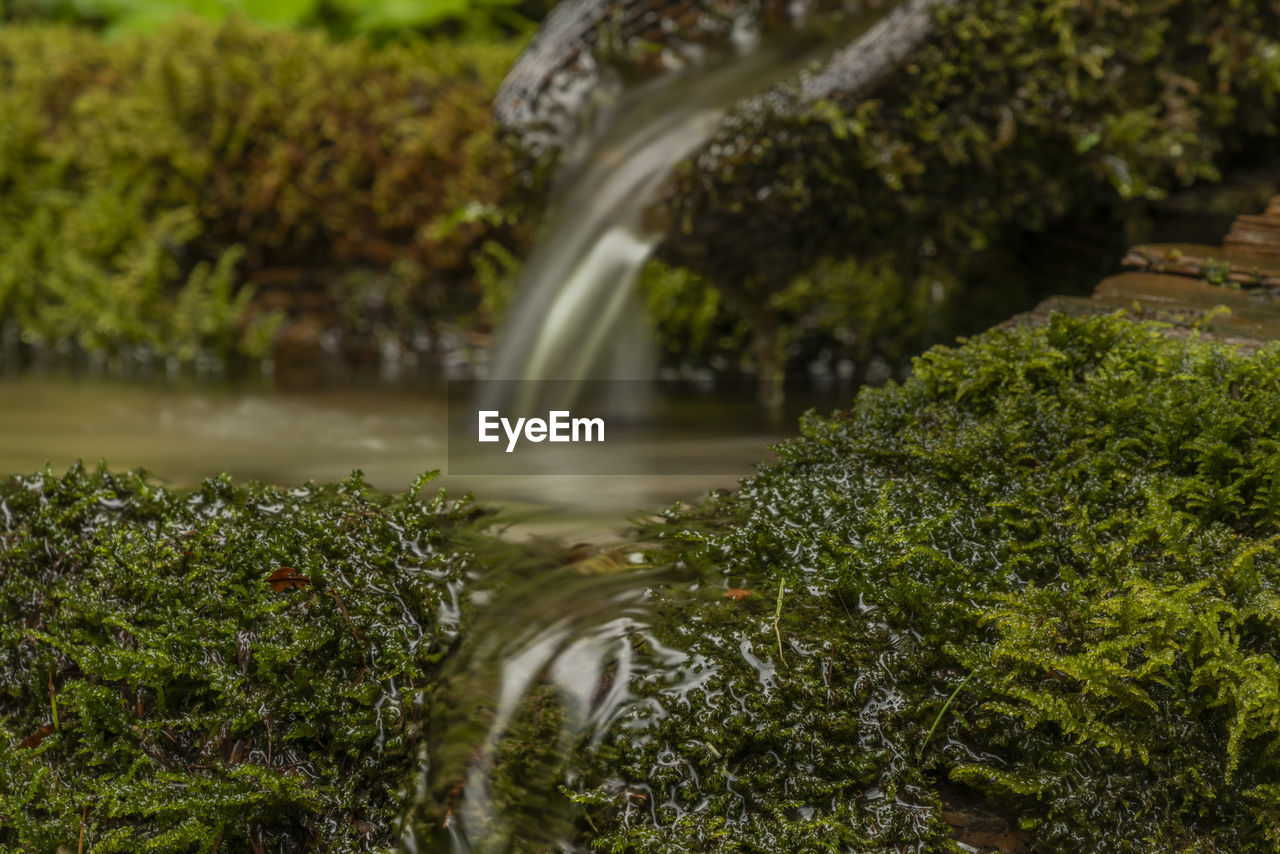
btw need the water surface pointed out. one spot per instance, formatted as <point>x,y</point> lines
<point>185,431</point>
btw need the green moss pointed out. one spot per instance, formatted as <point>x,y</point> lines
<point>1079,519</point>
<point>152,188</point>
<point>1035,584</point>
<point>1020,134</point>
<point>835,310</point>
<point>157,686</point>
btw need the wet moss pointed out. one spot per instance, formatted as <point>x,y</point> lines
<point>1071,531</point>
<point>234,669</point>
<point>1026,598</point>
<point>1021,134</point>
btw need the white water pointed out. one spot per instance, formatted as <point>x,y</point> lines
<point>576,316</point>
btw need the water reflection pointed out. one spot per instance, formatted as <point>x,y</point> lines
<point>186,431</point>
<point>547,663</point>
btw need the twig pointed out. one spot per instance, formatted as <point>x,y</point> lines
<point>84,814</point>
<point>777,616</point>
<point>942,712</point>
<point>53,701</point>
<point>342,606</point>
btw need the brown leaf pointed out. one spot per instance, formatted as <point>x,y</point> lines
<point>36,737</point>
<point>287,578</point>
<point>738,593</point>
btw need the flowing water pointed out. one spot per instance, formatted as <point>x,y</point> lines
<point>569,661</point>
<point>575,316</point>
<point>558,635</point>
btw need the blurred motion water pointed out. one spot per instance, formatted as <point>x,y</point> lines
<point>575,316</point>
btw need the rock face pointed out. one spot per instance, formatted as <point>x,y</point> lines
<point>586,47</point>
<point>1231,291</point>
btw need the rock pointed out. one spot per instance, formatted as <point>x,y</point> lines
<point>585,47</point>
<point>1248,258</point>
<point>1230,292</point>
<point>1259,235</point>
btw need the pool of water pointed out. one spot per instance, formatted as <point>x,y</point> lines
<point>186,430</point>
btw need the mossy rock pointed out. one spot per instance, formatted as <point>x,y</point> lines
<point>1012,156</point>
<point>1014,114</point>
<point>1026,599</point>
<point>231,669</point>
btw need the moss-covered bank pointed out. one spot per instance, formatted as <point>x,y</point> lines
<point>1028,596</point>
<point>234,669</point>
<point>1072,531</point>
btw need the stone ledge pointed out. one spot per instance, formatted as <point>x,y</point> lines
<point>1229,292</point>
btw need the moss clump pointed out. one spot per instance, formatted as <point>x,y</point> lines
<point>1076,525</point>
<point>159,693</point>
<point>150,188</point>
<point>1018,118</point>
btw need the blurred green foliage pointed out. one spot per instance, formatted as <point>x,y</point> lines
<point>341,18</point>
<point>840,309</point>
<point>685,313</point>
<point>188,190</point>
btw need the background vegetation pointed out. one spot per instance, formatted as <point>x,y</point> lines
<point>341,18</point>
<point>188,191</point>
<point>274,177</point>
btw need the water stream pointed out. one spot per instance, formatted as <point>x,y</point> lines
<point>575,316</point>
<point>560,641</point>
<point>392,430</point>
<point>532,690</point>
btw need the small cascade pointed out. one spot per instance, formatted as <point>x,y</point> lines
<point>576,316</point>
<point>548,652</point>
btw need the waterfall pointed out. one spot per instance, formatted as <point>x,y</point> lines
<point>576,315</point>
